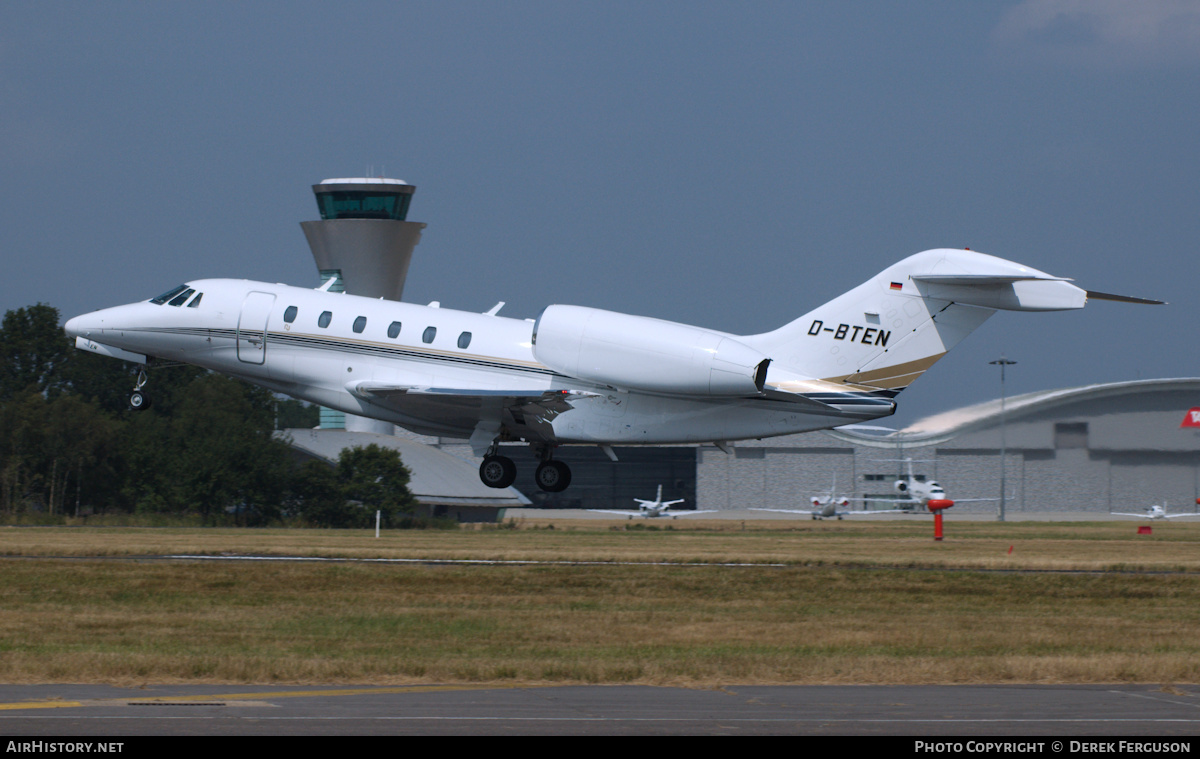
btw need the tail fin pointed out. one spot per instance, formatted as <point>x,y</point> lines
<point>888,331</point>
<point>657,498</point>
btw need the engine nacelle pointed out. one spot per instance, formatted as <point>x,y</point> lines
<point>640,353</point>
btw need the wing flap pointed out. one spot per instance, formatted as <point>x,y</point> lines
<point>464,407</point>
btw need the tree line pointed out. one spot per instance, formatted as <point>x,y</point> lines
<point>206,450</point>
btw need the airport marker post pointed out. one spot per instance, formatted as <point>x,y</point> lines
<point>937,506</point>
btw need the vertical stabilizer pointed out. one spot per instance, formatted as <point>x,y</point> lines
<point>888,331</point>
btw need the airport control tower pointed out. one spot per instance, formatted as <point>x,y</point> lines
<point>364,237</point>
<point>364,241</point>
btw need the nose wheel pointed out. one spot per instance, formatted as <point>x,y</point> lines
<point>138,400</point>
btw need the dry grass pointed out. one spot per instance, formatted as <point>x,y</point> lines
<point>815,621</point>
<point>907,543</point>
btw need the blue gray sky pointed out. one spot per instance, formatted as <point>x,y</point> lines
<point>717,163</point>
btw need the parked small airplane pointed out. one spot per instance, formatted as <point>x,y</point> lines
<point>826,506</point>
<point>1154,512</point>
<point>578,375</point>
<point>918,495</point>
<point>656,508</point>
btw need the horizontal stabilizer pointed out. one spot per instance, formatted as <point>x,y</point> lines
<point>983,279</point>
<point>1094,295</point>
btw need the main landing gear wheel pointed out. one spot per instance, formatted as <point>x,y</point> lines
<point>497,471</point>
<point>553,476</point>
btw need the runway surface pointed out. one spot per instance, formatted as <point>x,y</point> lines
<point>927,712</point>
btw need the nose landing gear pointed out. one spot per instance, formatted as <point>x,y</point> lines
<point>139,401</point>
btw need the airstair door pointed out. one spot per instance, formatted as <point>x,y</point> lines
<point>252,327</point>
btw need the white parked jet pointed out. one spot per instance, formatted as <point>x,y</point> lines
<point>917,495</point>
<point>578,375</point>
<point>1154,512</point>
<point>826,506</point>
<point>652,509</point>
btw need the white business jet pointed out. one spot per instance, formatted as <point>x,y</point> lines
<point>917,495</point>
<point>578,375</point>
<point>1154,512</point>
<point>656,508</point>
<point>826,506</point>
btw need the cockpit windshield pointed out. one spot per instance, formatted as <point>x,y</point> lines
<point>177,296</point>
<point>168,295</point>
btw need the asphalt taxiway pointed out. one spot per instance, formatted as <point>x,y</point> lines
<point>1051,711</point>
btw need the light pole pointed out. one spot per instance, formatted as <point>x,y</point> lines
<point>1002,362</point>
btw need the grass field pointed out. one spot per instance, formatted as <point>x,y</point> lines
<point>852,603</point>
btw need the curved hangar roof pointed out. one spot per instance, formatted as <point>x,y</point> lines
<point>1171,396</point>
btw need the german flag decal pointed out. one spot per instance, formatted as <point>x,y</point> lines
<point>897,286</point>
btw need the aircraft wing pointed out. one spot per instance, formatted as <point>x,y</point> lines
<point>1173,516</point>
<point>462,408</point>
<point>689,513</point>
<point>669,503</point>
<point>809,405</point>
<point>626,513</point>
<point>806,512</point>
<point>873,512</point>
<point>1143,515</point>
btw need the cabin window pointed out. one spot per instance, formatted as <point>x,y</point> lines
<point>168,295</point>
<point>360,324</point>
<point>429,334</point>
<point>393,330</point>
<point>464,340</point>
<point>323,319</point>
<point>289,315</point>
<point>182,297</point>
<point>196,301</point>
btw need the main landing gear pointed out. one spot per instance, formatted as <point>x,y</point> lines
<point>498,471</point>
<point>139,401</point>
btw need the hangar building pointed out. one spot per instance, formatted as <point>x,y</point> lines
<point>1107,447</point>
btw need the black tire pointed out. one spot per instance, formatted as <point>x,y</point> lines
<point>139,401</point>
<point>497,472</point>
<point>553,476</point>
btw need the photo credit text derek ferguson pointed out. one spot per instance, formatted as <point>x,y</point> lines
<point>1159,748</point>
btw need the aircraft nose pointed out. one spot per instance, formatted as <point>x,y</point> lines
<point>82,326</point>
